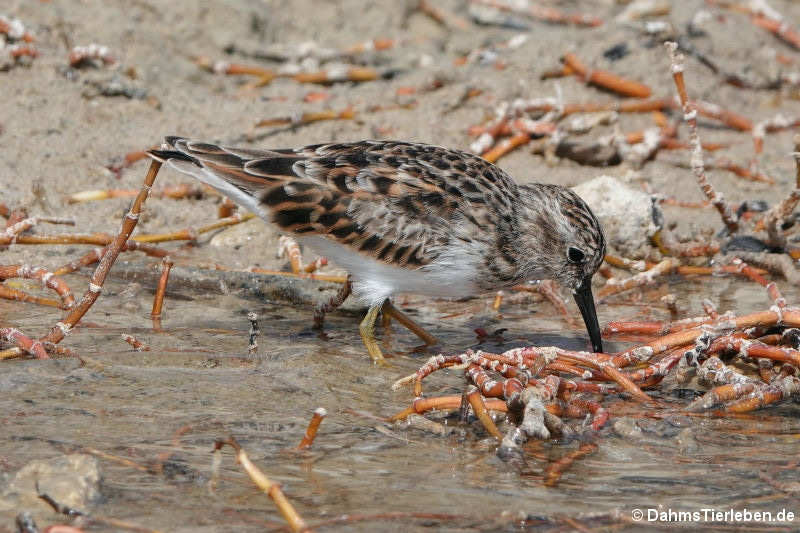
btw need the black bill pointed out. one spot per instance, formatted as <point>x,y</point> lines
<point>585,301</point>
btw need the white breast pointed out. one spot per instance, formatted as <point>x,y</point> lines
<point>452,275</point>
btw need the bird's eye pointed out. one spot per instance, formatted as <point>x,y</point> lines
<point>575,255</point>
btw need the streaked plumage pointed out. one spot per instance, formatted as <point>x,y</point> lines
<point>407,217</point>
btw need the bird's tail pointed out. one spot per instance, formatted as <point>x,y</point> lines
<point>185,163</point>
<point>163,156</point>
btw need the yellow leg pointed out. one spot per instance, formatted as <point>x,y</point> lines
<point>367,330</point>
<point>408,323</point>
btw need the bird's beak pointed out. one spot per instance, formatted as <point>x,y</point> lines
<point>585,301</point>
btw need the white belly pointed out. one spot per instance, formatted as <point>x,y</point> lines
<point>374,281</point>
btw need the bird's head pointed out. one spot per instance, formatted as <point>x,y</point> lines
<point>563,241</point>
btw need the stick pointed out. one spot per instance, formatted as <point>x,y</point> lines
<point>690,116</point>
<point>48,279</point>
<point>59,331</point>
<point>313,426</point>
<point>267,486</point>
<point>161,289</point>
<point>475,399</point>
<point>607,80</point>
<point>137,345</point>
<point>252,343</point>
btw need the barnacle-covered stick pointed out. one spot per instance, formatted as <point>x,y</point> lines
<point>80,55</point>
<point>313,426</point>
<point>137,345</point>
<point>730,385</point>
<point>755,349</point>
<point>772,289</point>
<point>267,486</point>
<point>775,217</point>
<point>63,327</point>
<point>48,280</point>
<point>766,394</point>
<point>23,342</point>
<point>15,30</point>
<point>95,255</point>
<point>690,116</point>
<point>608,368</point>
<point>9,293</point>
<point>788,317</point>
<point>10,234</point>
<point>641,279</point>
<point>443,403</point>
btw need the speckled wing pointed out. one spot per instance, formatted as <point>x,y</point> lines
<point>397,202</point>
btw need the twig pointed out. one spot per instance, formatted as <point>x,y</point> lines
<point>9,236</point>
<point>82,55</point>
<point>445,18</point>
<point>48,279</point>
<point>267,486</point>
<point>9,293</point>
<point>95,255</point>
<point>252,342</point>
<point>313,426</point>
<point>690,116</point>
<point>161,289</point>
<point>648,277</point>
<point>473,396</point>
<point>556,469</point>
<point>137,345</point>
<point>191,234</point>
<point>607,80</point>
<point>23,342</point>
<point>60,330</point>
<point>183,190</point>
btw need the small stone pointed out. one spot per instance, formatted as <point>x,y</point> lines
<point>629,217</point>
<point>71,480</point>
<point>627,428</point>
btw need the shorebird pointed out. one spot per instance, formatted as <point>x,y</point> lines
<point>405,217</point>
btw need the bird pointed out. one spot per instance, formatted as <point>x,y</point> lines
<point>406,217</point>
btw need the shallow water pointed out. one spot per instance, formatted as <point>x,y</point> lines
<point>198,379</point>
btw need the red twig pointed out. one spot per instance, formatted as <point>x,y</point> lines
<point>48,279</point>
<point>313,426</point>
<point>25,343</point>
<point>690,116</point>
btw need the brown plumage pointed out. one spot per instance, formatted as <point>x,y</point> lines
<point>408,217</point>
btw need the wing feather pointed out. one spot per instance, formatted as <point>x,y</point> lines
<point>395,201</point>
